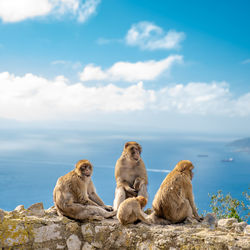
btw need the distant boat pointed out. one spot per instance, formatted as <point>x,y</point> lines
<point>228,160</point>
<point>202,155</point>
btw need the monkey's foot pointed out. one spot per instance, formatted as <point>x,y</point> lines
<point>111,214</point>
<point>190,220</point>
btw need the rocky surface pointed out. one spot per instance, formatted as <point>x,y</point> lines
<point>36,228</point>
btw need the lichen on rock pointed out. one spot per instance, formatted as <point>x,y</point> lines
<point>36,228</point>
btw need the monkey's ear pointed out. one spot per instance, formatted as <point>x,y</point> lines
<point>187,166</point>
<point>139,147</point>
<point>126,144</point>
<point>91,166</point>
<point>182,166</point>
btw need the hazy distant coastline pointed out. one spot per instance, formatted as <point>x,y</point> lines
<point>241,145</point>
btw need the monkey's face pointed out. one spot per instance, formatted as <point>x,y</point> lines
<point>142,200</point>
<point>84,168</point>
<point>133,150</point>
<point>186,167</point>
<point>190,171</point>
<point>134,153</point>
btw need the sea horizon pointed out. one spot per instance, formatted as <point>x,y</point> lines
<point>31,164</point>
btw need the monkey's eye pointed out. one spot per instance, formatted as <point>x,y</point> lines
<point>87,167</point>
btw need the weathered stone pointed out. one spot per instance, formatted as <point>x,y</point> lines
<point>19,208</point>
<point>20,231</point>
<point>37,209</point>
<point>146,245</point>
<point>87,246</point>
<point>58,246</point>
<point>1,215</point>
<point>47,233</point>
<point>72,227</point>
<point>51,211</point>
<point>86,230</point>
<point>226,223</point>
<point>13,234</point>
<point>97,245</point>
<point>210,220</point>
<point>247,230</point>
<point>239,227</point>
<point>73,242</point>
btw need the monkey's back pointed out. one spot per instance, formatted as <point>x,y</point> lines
<point>170,194</point>
<point>67,189</point>
<point>127,211</point>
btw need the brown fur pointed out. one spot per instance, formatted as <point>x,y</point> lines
<point>174,201</point>
<point>130,174</point>
<point>138,183</point>
<point>130,210</point>
<point>75,196</point>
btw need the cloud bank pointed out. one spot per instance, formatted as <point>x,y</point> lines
<point>19,10</point>
<point>31,98</point>
<point>130,72</point>
<point>149,36</point>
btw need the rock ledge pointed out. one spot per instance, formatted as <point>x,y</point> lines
<point>36,228</point>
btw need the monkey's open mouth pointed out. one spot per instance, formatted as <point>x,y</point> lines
<point>136,158</point>
<point>87,175</point>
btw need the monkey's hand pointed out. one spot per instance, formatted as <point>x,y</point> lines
<point>131,191</point>
<point>108,208</point>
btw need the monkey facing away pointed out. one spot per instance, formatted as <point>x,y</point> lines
<point>75,196</point>
<point>130,210</point>
<point>174,201</point>
<point>130,174</point>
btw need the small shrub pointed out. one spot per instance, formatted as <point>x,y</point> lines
<point>227,207</point>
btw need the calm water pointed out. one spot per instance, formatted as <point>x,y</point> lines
<point>32,161</point>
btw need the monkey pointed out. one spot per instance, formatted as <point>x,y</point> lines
<point>130,174</point>
<point>130,210</point>
<point>174,201</point>
<point>75,195</point>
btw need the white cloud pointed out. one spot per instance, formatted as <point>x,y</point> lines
<point>34,98</point>
<point>87,9</point>
<point>148,36</point>
<point>19,10</point>
<point>246,61</point>
<point>130,72</point>
<point>197,98</point>
<point>68,64</point>
<point>59,62</point>
<point>30,97</point>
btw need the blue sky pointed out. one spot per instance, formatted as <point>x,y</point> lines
<point>161,64</point>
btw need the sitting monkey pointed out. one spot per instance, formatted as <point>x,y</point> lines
<point>130,174</point>
<point>75,196</point>
<point>130,210</point>
<point>174,201</point>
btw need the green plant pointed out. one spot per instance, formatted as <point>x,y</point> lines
<point>227,207</point>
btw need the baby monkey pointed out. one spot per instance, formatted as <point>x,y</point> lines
<point>130,210</point>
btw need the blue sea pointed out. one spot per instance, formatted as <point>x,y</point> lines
<point>31,161</point>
